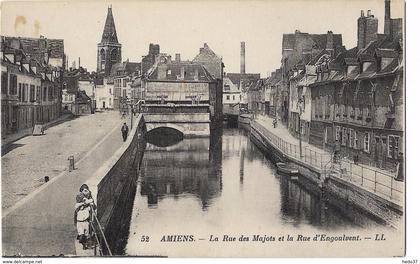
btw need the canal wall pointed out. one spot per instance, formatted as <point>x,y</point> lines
<point>113,186</point>
<point>349,197</point>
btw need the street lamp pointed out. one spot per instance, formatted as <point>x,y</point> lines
<point>300,104</point>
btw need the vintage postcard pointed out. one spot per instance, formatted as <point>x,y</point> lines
<point>272,128</point>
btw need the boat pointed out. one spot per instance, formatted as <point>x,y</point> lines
<point>284,168</point>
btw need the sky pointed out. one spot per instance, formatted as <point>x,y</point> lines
<point>183,26</point>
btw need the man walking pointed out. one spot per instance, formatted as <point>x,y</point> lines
<point>124,131</point>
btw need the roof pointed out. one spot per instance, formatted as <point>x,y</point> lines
<point>109,34</point>
<point>237,77</point>
<point>36,47</point>
<point>319,41</point>
<point>126,67</point>
<point>173,72</point>
<point>229,86</point>
<point>386,53</point>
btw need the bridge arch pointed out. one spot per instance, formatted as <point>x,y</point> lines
<point>163,136</point>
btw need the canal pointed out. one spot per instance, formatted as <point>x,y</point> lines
<point>223,185</point>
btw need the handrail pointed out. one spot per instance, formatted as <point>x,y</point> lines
<point>97,239</point>
<point>95,217</point>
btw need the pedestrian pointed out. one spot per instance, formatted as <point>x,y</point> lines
<point>124,131</point>
<point>83,215</point>
<point>356,159</point>
<point>400,167</point>
<point>337,148</point>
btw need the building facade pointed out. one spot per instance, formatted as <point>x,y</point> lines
<point>31,81</point>
<point>358,101</point>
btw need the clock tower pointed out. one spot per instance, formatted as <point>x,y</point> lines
<point>109,50</point>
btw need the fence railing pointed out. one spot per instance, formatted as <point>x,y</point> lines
<point>375,180</point>
<point>379,182</point>
<point>307,156</point>
<point>101,244</point>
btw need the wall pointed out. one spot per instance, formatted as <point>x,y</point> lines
<point>113,186</point>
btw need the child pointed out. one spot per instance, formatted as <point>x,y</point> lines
<point>83,214</point>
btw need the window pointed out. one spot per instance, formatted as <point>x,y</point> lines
<point>233,97</point>
<point>344,136</point>
<point>44,95</point>
<point>24,92</point>
<point>109,90</point>
<point>4,81</point>
<point>38,93</point>
<point>13,84</point>
<point>356,141</point>
<point>32,93</point>
<point>366,142</point>
<point>393,146</point>
<point>227,97</point>
<point>20,92</point>
<point>351,139</point>
<point>50,93</point>
<point>337,132</point>
<point>124,82</point>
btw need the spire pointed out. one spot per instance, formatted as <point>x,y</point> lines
<point>110,33</point>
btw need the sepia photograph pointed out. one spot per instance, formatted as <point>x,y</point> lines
<point>181,129</point>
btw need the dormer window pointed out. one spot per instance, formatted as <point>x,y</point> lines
<point>366,65</point>
<point>350,69</point>
<point>385,62</point>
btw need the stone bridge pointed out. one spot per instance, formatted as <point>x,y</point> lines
<point>191,120</point>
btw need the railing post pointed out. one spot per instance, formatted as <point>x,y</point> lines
<point>362,175</point>
<point>392,180</point>
<point>374,189</point>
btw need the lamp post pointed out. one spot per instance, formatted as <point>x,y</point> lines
<point>300,102</point>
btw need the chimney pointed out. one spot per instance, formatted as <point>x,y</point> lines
<point>79,62</point>
<point>154,49</point>
<point>177,57</point>
<point>367,30</point>
<point>362,13</point>
<point>330,40</point>
<point>242,57</point>
<point>387,20</point>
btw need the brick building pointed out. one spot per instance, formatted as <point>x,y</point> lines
<point>31,81</point>
<point>357,100</point>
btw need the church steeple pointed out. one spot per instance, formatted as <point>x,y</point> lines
<point>110,33</point>
<point>109,50</point>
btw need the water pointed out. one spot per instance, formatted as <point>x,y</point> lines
<point>223,185</point>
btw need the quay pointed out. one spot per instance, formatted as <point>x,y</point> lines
<point>370,189</point>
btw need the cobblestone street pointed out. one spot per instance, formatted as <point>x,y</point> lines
<point>34,157</point>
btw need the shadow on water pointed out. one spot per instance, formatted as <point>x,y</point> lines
<point>192,166</point>
<point>164,136</point>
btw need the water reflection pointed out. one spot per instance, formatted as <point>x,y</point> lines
<point>192,166</point>
<point>223,183</point>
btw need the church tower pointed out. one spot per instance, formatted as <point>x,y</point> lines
<point>109,50</point>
